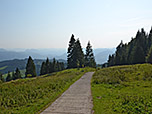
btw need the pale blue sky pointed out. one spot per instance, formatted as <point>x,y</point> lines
<point>50,23</point>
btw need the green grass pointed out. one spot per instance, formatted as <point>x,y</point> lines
<point>123,89</point>
<point>2,68</point>
<point>29,96</point>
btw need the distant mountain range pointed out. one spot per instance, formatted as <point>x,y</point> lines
<point>101,54</point>
<point>11,65</point>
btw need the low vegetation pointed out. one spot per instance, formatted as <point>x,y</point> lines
<point>123,89</point>
<point>30,95</point>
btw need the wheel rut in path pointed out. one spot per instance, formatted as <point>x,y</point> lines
<point>76,100</point>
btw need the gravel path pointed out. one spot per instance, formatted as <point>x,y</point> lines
<point>76,100</point>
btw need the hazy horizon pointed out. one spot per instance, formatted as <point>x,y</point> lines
<point>49,24</point>
<point>26,49</point>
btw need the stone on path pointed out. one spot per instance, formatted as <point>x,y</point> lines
<point>76,100</point>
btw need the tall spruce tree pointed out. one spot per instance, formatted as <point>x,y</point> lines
<point>150,39</point>
<point>54,64</point>
<point>70,52</point>
<point>138,52</point>
<point>62,65</point>
<point>119,53</point>
<point>89,56</point>
<point>30,68</point>
<point>137,55</point>
<point>78,55</point>
<point>13,76</point>
<point>58,66</point>
<point>141,39</point>
<point>8,78</point>
<point>111,60</point>
<point>47,66</point>
<point>17,73</point>
<point>51,67</point>
<point>43,69</point>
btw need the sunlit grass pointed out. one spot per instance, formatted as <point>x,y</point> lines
<point>2,68</point>
<point>123,89</point>
<point>28,96</point>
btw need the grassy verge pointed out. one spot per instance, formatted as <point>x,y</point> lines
<point>123,89</point>
<point>28,96</point>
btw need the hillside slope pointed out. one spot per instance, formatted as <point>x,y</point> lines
<point>28,96</point>
<point>123,89</point>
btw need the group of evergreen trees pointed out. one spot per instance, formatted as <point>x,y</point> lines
<point>49,67</point>
<point>15,75</point>
<point>76,58</point>
<point>46,67</point>
<point>137,51</point>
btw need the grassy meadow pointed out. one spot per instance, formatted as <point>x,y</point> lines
<point>123,89</point>
<point>29,96</point>
<point>1,68</point>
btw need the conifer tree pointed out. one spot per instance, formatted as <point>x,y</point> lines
<point>137,55</point>
<point>30,68</point>
<point>118,53</point>
<point>78,55</point>
<point>54,64</point>
<point>111,60</point>
<point>58,66</point>
<point>51,67</point>
<point>129,50</point>
<point>43,69</point>
<point>138,51</point>
<point>47,66</point>
<point>17,73</point>
<point>150,39</point>
<point>149,56</point>
<point>89,56</point>
<point>14,76</point>
<point>8,78</point>
<point>62,65</point>
<point>70,52</point>
<point>142,41</point>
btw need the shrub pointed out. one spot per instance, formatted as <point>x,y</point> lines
<point>29,75</point>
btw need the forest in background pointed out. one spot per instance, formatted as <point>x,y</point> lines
<point>137,51</point>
